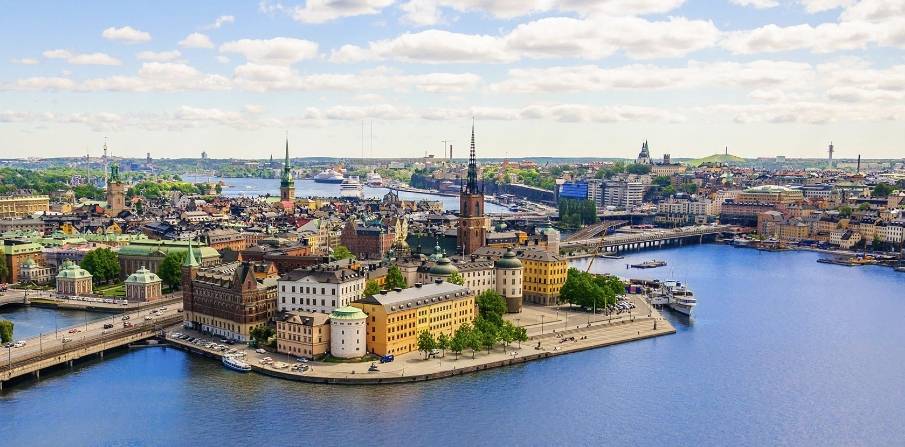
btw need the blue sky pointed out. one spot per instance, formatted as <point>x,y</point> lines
<point>541,77</point>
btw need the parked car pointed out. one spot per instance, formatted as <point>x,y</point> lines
<point>108,326</point>
<point>66,339</point>
<point>74,330</point>
<point>19,344</point>
<point>387,358</point>
<point>126,317</point>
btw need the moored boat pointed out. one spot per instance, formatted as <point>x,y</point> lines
<point>235,364</point>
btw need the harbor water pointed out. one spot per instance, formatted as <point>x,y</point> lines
<point>782,351</point>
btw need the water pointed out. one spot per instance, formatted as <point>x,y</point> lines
<point>251,187</point>
<point>783,351</point>
<point>31,321</point>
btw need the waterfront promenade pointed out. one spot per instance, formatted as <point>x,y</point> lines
<point>547,328</point>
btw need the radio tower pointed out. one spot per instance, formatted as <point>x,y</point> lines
<point>830,150</point>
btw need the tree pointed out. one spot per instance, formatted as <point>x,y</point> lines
<point>395,278</point>
<point>4,271</point>
<point>473,340</point>
<point>456,278</point>
<point>521,334</point>
<point>507,332</point>
<point>882,190</point>
<point>662,180</point>
<point>443,342</point>
<point>102,263</point>
<point>6,331</point>
<point>342,252</point>
<point>170,270</point>
<point>262,335</point>
<point>491,306</point>
<point>488,331</point>
<point>460,340</point>
<point>638,169</point>
<point>426,342</point>
<point>845,211</point>
<point>371,288</point>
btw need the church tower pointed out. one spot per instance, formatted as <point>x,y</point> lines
<point>189,271</point>
<point>287,183</point>
<point>116,191</point>
<point>472,231</point>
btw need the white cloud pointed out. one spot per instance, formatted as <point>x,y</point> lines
<point>25,61</point>
<point>824,38</point>
<point>126,34</point>
<point>82,58</point>
<point>45,83</point>
<point>551,37</point>
<point>220,21</point>
<point>222,59</point>
<point>564,113</point>
<point>815,6</point>
<point>280,50</point>
<point>759,4</point>
<point>261,78</point>
<point>196,40</point>
<point>874,11</point>
<point>320,11</point>
<point>429,12</point>
<point>159,56</point>
<point>804,112</point>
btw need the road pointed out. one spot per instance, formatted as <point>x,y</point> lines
<point>35,345</point>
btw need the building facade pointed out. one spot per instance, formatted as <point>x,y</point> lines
<point>74,280</point>
<point>472,225</point>
<point>320,289</point>
<point>23,204</point>
<point>143,286</point>
<point>303,334</point>
<point>348,333</point>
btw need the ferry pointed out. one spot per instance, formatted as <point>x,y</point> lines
<point>328,176</point>
<point>235,364</point>
<point>351,188</point>
<point>649,264</point>
<point>681,299</point>
<point>374,180</point>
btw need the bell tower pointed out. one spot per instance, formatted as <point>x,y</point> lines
<point>287,183</point>
<point>472,231</point>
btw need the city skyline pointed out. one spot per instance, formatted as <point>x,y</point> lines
<point>542,78</point>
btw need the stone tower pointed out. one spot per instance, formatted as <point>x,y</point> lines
<point>472,231</point>
<point>287,183</point>
<point>189,271</point>
<point>116,191</point>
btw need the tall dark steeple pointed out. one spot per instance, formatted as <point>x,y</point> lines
<point>472,224</point>
<point>287,183</point>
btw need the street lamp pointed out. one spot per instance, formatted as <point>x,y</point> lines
<point>542,324</point>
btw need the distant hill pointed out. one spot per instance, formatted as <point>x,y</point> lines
<point>717,158</point>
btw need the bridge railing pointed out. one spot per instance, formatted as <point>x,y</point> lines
<point>76,345</point>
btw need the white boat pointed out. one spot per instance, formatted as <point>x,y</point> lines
<point>351,188</point>
<point>235,364</point>
<point>681,299</point>
<point>374,180</point>
<point>329,176</point>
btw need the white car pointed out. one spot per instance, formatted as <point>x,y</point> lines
<point>19,344</point>
<point>260,351</point>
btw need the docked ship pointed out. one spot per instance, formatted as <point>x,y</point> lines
<point>351,188</point>
<point>328,176</point>
<point>681,299</point>
<point>235,364</point>
<point>374,180</point>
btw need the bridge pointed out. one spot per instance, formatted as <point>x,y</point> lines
<point>67,345</point>
<point>12,298</point>
<point>592,231</point>
<point>648,238</point>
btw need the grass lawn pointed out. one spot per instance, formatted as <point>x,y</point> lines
<point>111,291</point>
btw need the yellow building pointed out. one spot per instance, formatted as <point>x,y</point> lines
<point>396,317</point>
<point>772,194</point>
<point>23,205</point>
<point>544,275</point>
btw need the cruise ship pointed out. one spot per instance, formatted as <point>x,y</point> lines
<point>328,176</point>
<point>351,188</point>
<point>374,180</point>
<point>681,299</point>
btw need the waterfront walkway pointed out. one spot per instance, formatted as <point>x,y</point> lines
<point>545,340</point>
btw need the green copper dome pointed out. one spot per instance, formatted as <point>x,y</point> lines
<point>142,276</point>
<point>72,270</point>
<point>443,267</point>
<point>348,313</point>
<point>508,261</point>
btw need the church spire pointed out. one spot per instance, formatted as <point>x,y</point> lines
<point>287,170</point>
<point>190,257</point>
<point>472,182</point>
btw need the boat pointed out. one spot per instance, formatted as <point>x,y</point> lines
<point>649,264</point>
<point>351,188</point>
<point>235,364</point>
<point>900,269</point>
<point>681,299</point>
<point>328,176</point>
<point>374,180</point>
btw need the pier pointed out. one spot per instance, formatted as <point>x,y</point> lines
<point>70,344</point>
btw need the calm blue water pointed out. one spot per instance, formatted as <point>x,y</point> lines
<point>784,351</point>
<point>31,321</point>
<point>251,187</point>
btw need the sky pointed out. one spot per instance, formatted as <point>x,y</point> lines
<point>396,78</point>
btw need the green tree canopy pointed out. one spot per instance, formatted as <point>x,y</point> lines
<point>170,270</point>
<point>443,342</point>
<point>342,252</point>
<point>103,264</point>
<point>395,278</point>
<point>662,180</point>
<point>491,306</point>
<point>6,331</point>
<point>456,278</point>
<point>638,169</point>
<point>426,342</point>
<point>371,288</point>
<point>882,190</point>
<point>459,341</point>
<point>588,291</point>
